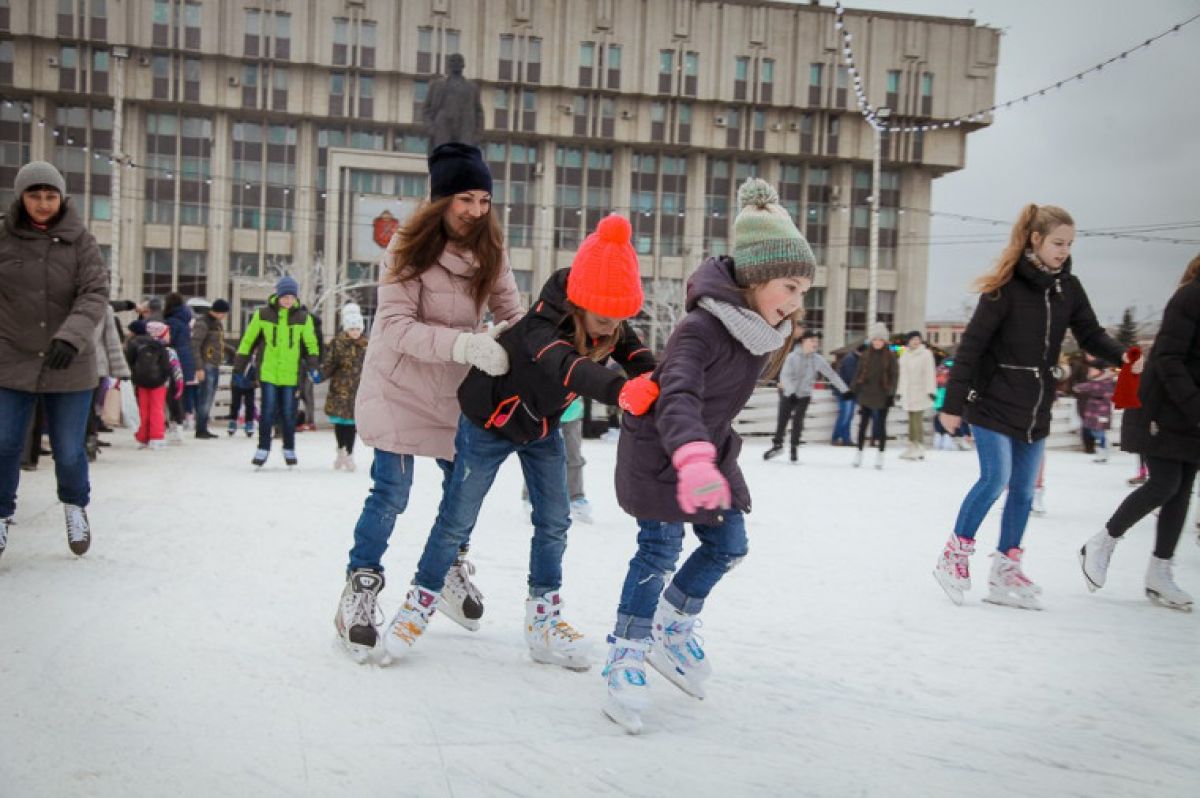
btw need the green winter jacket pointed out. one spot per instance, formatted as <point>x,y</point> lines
<point>275,335</point>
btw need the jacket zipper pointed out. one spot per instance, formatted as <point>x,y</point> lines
<point>1041,382</point>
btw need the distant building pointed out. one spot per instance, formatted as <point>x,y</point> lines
<point>274,134</point>
<point>944,334</point>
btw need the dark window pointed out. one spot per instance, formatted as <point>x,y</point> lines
<point>533,60</point>
<point>684,118</point>
<point>337,93</point>
<point>420,92</point>
<point>279,88</point>
<point>927,94</point>
<point>608,112</point>
<point>366,43</point>
<point>5,11</point>
<point>716,206</point>
<point>691,73</point>
<point>587,63</point>
<point>425,50</point>
<point>733,128</point>
<point>892,97</point>
<point>68,67</point>
<point>162,23</point>
<point>918,146</point>
<point>614,66</point>
<point>253,32</point>
<point>250,85</point>
<point>158,273</point>
<point>191,25</point>
<point>666,71</point>
<point>507,41</point>
<point>579,109</point>
<point>500,109</point>
<point>341,40</point>
<point>283,36</point>
<point>160,77</point>
<point>766,83</point>
<point>6,62</point>
<point>66,18</point>
<point>529,111</point>
<point>366,96</point>
<point>759,130</point>
<point>191,80</point>
<point>816,75</point>
<point>831,140</point>
<point>98,19</point>
<point>658,121</point>
<point>741,76</point>
<point>814,309</point>
<point>806,133</point>
<point>99,84</point>
<point>842,87</point>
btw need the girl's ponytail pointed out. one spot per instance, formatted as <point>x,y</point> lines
<point>1032,219</point>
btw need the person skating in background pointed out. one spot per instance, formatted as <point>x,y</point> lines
<point>208,353</point>
<point>179,315</point>
<point>847,368</point>
<point>48,319</point>
<point>280,337</point>
<point>943,438</point>
<point>916,392</point>
<point>1003,380</point>
<point>1165,428</point>
<point>796,380</point>
<point>444,269</point>
<point>874,388</point>
<point>157,377</point>
<point>678,463</point>
<point>110,365</point>
<point>242,386</point>
<point>342,365</point>
<point>306,419</point>
<point>555,353</point>
<point>1095,397</point>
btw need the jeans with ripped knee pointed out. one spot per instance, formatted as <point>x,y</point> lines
<point>659,546</point>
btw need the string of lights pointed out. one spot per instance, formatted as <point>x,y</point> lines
<point>871,114</point>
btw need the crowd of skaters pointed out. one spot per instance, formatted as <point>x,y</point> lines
<point>436,380</point>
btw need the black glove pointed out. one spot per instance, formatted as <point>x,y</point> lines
<point>891,401</point>
<point>848,395</point>
<point>60,355</point>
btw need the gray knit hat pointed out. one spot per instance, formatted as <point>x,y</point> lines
<point>766,242</point>
<point>878,330</point>
<point>39,173</point>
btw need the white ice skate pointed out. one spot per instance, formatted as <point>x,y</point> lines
<point>1161,588</point>
<point>581,510</point>
<point>858,456</point>
<point>952,571</point>
<point>461,601</point>
<point>5,524</point>
<point>910,453</point>
<point>625,670</point>
<point>551,640</point>
<point>260,458</point>
<point>410,622</point>
<point>1094,557</point>
<point>289,457</point>
<point>79,531</point>
<point>879,460</point>
<point>356,621</point>
<point>339,462</point>
<point>1039,502</point>
<point>1007,583</point>
<point>677,652</point>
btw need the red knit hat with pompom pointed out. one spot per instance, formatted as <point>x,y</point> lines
<point>605,277</point>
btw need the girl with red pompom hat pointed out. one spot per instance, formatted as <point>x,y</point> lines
<point>554,354</point>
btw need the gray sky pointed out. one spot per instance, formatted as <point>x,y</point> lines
<point>1119,148</point>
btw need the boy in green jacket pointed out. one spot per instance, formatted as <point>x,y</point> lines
<point>282,338</point>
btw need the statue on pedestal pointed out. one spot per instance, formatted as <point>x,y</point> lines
<point>452,110</point>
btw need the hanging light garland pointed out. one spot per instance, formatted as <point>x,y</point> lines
<point>870,113</point>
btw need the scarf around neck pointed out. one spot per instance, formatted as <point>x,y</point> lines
<point>750,329</point>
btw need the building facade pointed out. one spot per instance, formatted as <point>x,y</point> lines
<point>263,136</point>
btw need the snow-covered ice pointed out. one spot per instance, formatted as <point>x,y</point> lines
<point>192,651</point>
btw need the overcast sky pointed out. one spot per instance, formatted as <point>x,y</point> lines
<point>1119,148</point>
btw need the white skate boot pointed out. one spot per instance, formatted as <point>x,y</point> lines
<point>1007,583</point>
<point>858,456</point>
<point>952,571</point>
<point>461,601</point>
<point>1039,502</point>
<point>879,460</point>
<point>1161,587</point>
<point>356,622</point>
<point>1094,557</point>
<point>410,621</point>
<point>551,640</point>
<point>5,523</point>
<point>340,461</point>
<point>625,670</point>
<point>677,652</point>
<point>79,531</point>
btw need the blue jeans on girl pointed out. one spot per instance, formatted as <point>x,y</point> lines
<point>391,478</point>
<point>277,401</point>
<point>659,545</point>
<point>67,418</point>
<point>478,456</point>
<point>1003,462</point>
<point>841,427</point>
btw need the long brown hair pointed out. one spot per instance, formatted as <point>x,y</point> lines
<point>593,349</point>
<point>425,236</point>
<point>1033,219</point>
<point>1191,272</point>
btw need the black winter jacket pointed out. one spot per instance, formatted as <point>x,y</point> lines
<point>545,372</point>
<point>1003,374</point>
<point>1167,425</point>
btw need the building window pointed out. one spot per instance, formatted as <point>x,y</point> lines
<point>264,172</point>
<point>5,13</point>
<point>856,314</point>
<point>283,36</point>
<point>644,201</point>
<point>860,223</point>
<point>500,109</point>
<point>892,98</point>
<point>158,273</point>
<point>179,156</point>
<point>191,25</point>
<point>814,310</point>
<point>72,158</point>
<point>529,110</point>
<point>733,128</point>
<point>512,167</point>
<point>420,94</point>
<point>666,71</point>
<point>161,25</point>
<point>842,88</point>
<point>587,63</point>
<point>337,93</point>
<point>614,66</point>
<point>684,120</point>
<point>6,62</point>
<point>425,50</point>
<point>14,148</point>
<point>691,73</point>
<point>816,212</point>
<point>160,77</point>
<point>766,80</point>
<point>250,85</point>
<point>831,137</point>
<point>806,133</point>
<point>720,196</point>
<point>253,34</point>
<point>758,130</point>
<point>658,121</point>
<point>99,76</point>
<point>533,60</point>
<point>66,18</point>
<point>341,40</point>
<point>507,45</point>
<point>279,88</point>
<point>68,68</point>
<point>191,80</point>
<point>98,20</point>
<point>791,191</point>
<point>367,35</point>
<point>927,94</point>
<point>741,76</point>
<point>608,117</point>
<point>366,96</point>
<point>816,76</point>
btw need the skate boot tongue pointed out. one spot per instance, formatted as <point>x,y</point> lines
<point>367,580</point>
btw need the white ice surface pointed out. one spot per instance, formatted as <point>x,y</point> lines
<point>191,652</point>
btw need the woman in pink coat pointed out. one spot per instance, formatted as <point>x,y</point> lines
<point>444,270</point>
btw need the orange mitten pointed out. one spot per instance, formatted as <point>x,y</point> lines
<point>638,394</point>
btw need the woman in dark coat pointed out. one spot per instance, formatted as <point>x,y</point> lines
<point>1166,431</point>
<point>874,387</point>
<point>53,292</point>
<point>178,317</point>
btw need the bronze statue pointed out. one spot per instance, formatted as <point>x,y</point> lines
<point>452,110</point>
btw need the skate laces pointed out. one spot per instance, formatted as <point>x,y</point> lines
<point>77,529</point>
<point>957,556</point>
<point>363,608</point>
<point>412,619</point>
<point>682,634</point>
<point>552,625</point>
<point>1016,574</point>
<point>458,580</point>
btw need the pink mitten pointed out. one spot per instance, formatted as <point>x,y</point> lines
<point>701,484</point>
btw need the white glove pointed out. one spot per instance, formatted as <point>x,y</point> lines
<point>482,351</point>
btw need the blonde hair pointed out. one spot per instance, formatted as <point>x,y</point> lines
<point>1033,219</point>
<point>1191,272</point>
<point>595,350</point>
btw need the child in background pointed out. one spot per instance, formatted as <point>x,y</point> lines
<point>678,464</point>
<point>241,397</point>
<point>155,374</point>
<point>342,365</point>
<point>1096,407</point>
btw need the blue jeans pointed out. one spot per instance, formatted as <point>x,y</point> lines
<point>841,427</point>
<point>67,418</point>
<point>206,394</point>
<point>1003,462</point>
<point>277,400</point>
<point>391,477</point>
<point>659,545</point>
<point>478,456</point>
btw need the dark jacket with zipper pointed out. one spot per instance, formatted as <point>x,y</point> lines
<point>545,372</point>
<point>1003,376</point>
<point>1167,425</point>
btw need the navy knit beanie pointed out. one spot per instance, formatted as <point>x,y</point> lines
<point>287,285</point>
<point>455,167</point>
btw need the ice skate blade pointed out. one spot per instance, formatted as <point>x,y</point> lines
<point>1159,601</point>
<point>1006,600</point>
<point>578,663</point>
<point>359,653</point>
<point>952,590</point>
<point>628,719</point>
<point>1087,580</point>
<point>471,625</point>
<point>692,687</point>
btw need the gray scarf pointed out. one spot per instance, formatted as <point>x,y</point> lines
<point>750,329</point>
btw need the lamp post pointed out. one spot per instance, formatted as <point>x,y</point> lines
<point>120,55</point>
<point>881,115</point>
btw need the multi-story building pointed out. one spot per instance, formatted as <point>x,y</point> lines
<point>269,135</point>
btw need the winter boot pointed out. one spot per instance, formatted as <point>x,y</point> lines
<point>581,510</point>
<point>676,651</point>
<point>858,456</point>
<point>625,670</point>
<point>909,453</point>
<point>953,571</point>
<point>410,621</point>
<point>350,465</point>
<point>879,460</point>
<point>232,428</point>
<point>552,640</point>
<point>1007,583</point>
<point>773,452</point>
<point>356,622</point>
<point>1094,557</point>
<point>79,533</point>
<point>340,461</point>
<point>289,457</point>
<point>1038,507</point>
<point>1161,587</point>
<point>260,458</point>
<point>794,454</point>
<point>5,524</point>
<point>175,434</point>
<point>461,601</point>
